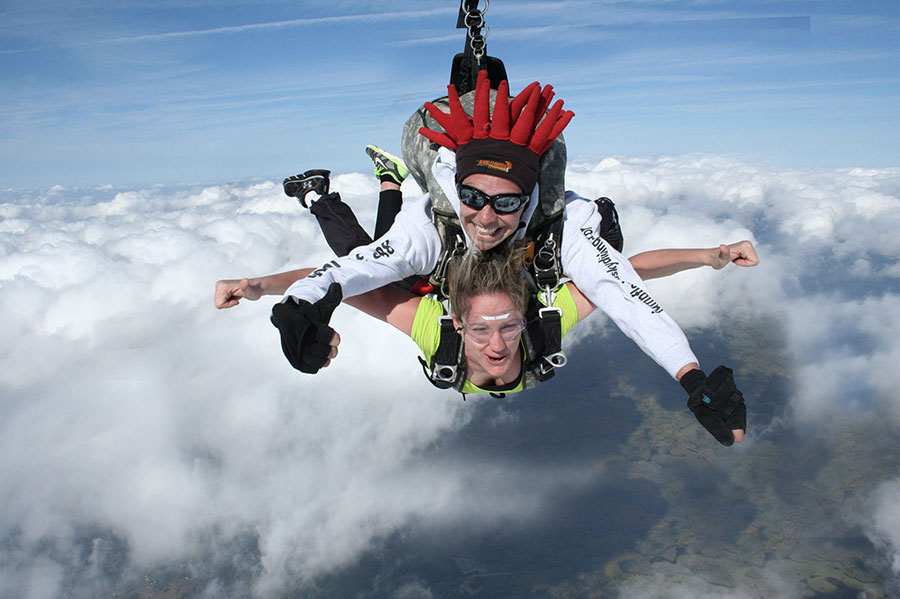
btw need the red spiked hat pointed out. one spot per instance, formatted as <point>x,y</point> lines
<point>508,143</point>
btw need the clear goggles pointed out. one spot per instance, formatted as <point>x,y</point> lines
<point>481,327</point>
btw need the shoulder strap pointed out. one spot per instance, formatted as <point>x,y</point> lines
<point>542,339</point>
<point>474,57</point>
<point>453,243</point>
<point>447,367</point>
<point>543,258</point>
<point>610,229</point>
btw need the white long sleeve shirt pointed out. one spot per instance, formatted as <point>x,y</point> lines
<point>412,247</point>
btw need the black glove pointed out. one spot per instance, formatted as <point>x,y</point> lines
<point>305,334</point>
<point>716,402</point>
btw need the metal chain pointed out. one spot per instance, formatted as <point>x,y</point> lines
<point>475,23</point>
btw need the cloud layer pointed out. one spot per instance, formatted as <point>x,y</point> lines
<point>142,428</point>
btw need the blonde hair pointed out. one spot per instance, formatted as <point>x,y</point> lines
<point>497,271</point>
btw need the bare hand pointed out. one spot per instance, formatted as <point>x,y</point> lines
<point>741,253</point>
<point>738,435</point>
<point>229,292</point>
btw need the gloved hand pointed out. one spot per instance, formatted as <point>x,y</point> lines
<point>305,334</point>
<point>716,402</point>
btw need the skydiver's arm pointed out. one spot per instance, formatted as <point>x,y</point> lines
<point>410,247</point>
<point>662,263</point>
<point>393,305</point>
<point>229,292</point>
<point>606,278</point>
<point>584,307</point>
<point>582,304</point>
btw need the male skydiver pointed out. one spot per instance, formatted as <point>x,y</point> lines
<point>343,232</point>
<point>488,169</point>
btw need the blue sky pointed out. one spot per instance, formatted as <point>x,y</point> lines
<point>207,91</point>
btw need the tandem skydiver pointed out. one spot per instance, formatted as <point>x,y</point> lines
<point>494,363</point>
<point>343,232</point>
<point>490,178</point>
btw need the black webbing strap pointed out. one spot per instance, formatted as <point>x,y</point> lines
<point>546,264</point>
<point>453,243</point>
<point>473,58</point>
<point>444,369</point>
<point>550,319</point>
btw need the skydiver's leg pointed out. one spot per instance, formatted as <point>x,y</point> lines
<point>391,171</point>
<point>390,199</point>
<point>339,225</point>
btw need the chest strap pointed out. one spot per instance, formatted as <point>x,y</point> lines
<point>542,340</point>
<point>550,319</point>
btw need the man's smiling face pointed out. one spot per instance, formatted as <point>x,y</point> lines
<point>486,228</point>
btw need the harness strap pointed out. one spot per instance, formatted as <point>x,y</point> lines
<point>610,230</point>
<point>546,265</point>
<point>550,319</point>
<point>533,342</point>
<point>453,244</point>
<point>542,339</point>
<point>474,57</point>
<point>446,367</point>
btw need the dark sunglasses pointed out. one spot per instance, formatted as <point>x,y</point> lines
<point>502,203</point>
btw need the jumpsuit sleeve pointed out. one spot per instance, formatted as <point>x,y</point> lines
<point>410,247</point>
<point>607,279</point>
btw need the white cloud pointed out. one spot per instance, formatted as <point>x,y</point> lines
<point>132,405</point>
<point>828,246</point>
<point>682,583</point>
<point>848,350</point>
<point>885,523</point>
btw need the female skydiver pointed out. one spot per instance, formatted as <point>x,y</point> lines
<point>489,306</point>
